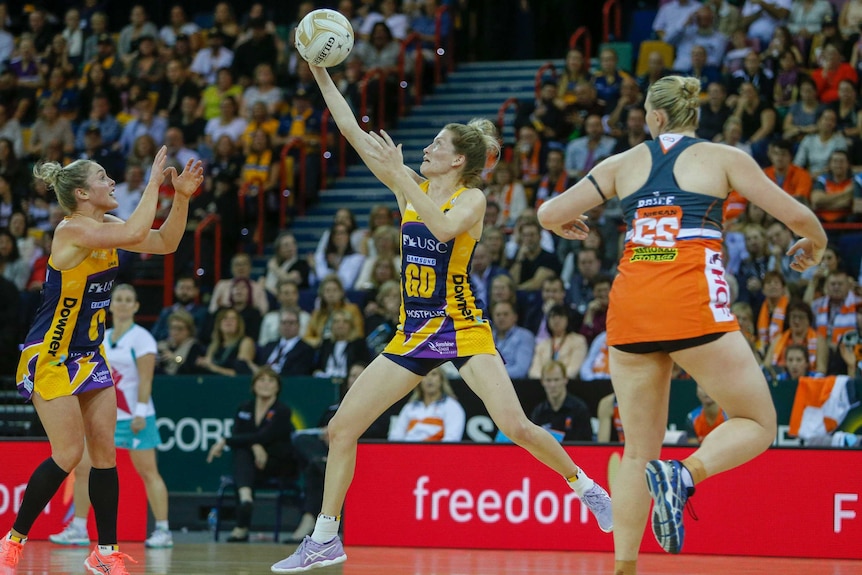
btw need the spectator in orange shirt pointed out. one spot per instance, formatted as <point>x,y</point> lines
<point>706,417</point>
<point>792,179</point>
<point>834,191</point>
<point>830,74</point>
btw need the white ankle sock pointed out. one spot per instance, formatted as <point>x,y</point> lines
<point>162,525</point>
<point>108,549</point>
<point>686,477</point>
<point>325,529</point>
<point>582,483</point>
<point>79,523</point>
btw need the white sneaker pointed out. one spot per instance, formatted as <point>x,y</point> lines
<point>160,539</point>
<point>71,535</point>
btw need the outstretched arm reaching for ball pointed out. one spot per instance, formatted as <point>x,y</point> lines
<point>361,140</point>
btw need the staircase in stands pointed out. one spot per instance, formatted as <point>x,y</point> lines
<point>472,90</point>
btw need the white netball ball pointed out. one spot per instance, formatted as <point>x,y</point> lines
<point>324,38</point>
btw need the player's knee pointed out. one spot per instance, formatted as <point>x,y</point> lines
<point>69,456</point>
<point>340,430</point>
<point>518,429</point>
<point>768,420</point>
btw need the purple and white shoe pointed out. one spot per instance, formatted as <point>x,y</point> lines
<point>311,555</point>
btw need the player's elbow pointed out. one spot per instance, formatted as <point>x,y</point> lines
<point>548,217</point>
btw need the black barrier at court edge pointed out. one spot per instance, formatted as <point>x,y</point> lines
<point>193,412</point>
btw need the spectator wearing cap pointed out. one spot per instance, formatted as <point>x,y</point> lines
<point>209,60</point>
<point>93,148</point>
<point>185,48</point>
<point>101,119</point>
<point>304,81</point>
<point>177,24</point>
<point>146,122</point>
<point>697,30</point>
<point>761,17</point>
<point>106,57</point>
<point>139,25</point>
<point>542,113</point>
<point>259,49</point>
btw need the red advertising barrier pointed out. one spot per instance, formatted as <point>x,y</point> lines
<point>785,503</point>
<point>20,458</point>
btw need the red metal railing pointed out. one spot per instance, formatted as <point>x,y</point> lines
<point>211,220</point>
<point>244,195</point>
<point>380,76</point>
<point>616,7</point>
<point>300,193</point>
<point>501,113</point>
<point>168,280</point>
<point>325,154</point>
<point>414,40</point>
<point>583,36</point>
<point>540,73</point>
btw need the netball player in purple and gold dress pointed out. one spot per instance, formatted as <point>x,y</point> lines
<point>442,213</point>
<point>63,368</point>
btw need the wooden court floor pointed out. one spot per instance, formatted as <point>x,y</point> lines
<point>42,558</point>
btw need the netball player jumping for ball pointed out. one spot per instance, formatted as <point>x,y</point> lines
<point>441,215</point>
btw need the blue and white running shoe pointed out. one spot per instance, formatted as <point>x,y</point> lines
<point>664,481</point>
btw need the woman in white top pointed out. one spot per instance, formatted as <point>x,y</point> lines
<point>228,122</point>
<point>563,345</point>
<point>131,351</point>
<point>386,247</point>
<point>263,90</point>
<point>339,257</point>
<point>431,414</point>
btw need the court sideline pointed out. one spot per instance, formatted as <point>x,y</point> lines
<point>43,558</point>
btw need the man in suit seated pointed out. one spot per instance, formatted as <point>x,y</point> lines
<point>289,355</point>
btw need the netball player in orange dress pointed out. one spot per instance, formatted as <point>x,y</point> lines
<point>670,303</point>
<point>442,212</point>
<point>62,367</point>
